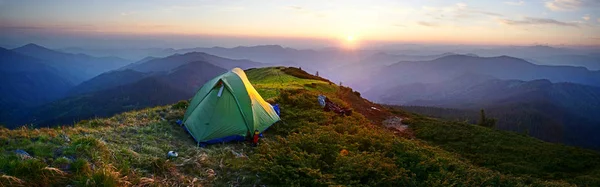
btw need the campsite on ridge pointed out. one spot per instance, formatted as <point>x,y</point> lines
<point>299,93</point>
<point>306,148</point>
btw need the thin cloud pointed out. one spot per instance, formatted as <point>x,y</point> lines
<point>21,28</point>
<point>295,7</point>
<point>538,21</point>
<point>570,5</point>
<point>586,17</point>
<point>56,27</point>
<point>232,8</point>
<point>515,3</point>
<point>427,24</point>
<point>306,11</point>
<point>154,26</point>
<point>484,12</point>
<point>457,12</point>
<point>463,8</point>
<point>128,13</point>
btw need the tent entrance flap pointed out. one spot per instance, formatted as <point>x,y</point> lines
<point>221,90</point>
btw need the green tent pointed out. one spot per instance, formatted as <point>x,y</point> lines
<point>227,108</point>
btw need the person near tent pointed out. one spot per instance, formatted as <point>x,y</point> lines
<point>255,138</point>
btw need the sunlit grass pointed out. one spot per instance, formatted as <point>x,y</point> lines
<point>270,81</point>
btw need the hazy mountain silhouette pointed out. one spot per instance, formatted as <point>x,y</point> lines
<point>557,112</point>
<point>108,97</point>
<point>261,53</point>
<point>476,91</point>
<point>27,82</point>
<point>108,80</point>
<point>191,76</point>
<point>151,91</point>
<point>592,62</point>
<point>446,68</point>
<point>79,67</point>
<point>199,65</point>
<point>171,62</point>
<point>144,60</point>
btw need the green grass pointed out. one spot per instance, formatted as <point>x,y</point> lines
<point>127,149</point>
<point>509,152</point>
<point>270,81</point>
<point>309,147</point>
<point>307,151</point>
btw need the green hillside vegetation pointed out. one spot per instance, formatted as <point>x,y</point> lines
<point>509,152</point>
<point>540,120</point>
<point>309,147</point>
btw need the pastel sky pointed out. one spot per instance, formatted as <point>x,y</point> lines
<point>503,22</point>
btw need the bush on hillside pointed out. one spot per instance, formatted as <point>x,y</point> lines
<point>181,105</point>
<point>485,121</point>
<point>509,152</point>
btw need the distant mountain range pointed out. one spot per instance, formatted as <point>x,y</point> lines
<point>26,81</point>
<point>174,61</point>
<point>149,82</point>
<point>147,92</point>
<point>449,67</point>
<point>557,112</point>
<point>78,67</point>
<point>108,80</point>
<point>275,54</point>
<point>592,62</point>
<point>108,99</point>
<point>554,103</point>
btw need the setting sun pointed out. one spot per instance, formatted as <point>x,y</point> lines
<point>350,42</point>
<point>350,38</point>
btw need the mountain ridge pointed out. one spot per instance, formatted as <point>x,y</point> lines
<point>79,67</point>
<point>27,82</point>
<point>556,112</point>
<point>120,91</point>
<point>173,61</point>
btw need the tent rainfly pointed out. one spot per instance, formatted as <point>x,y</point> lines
<point>227,108</point>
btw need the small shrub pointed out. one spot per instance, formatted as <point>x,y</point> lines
<point>94,123</point>
<point>87,147</point>
<point>106,176</point>
<point>62,163</point>
<point>30,170</point>
<point>82,123</point>
<point>81,167</point>
<point>181,105</point>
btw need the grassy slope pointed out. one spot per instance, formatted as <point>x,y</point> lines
<point>510,152</point>
<point>309,148</point>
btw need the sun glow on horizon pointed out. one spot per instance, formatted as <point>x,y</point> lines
<point>347,24</point>
<point>350,42</point>
<point>350,38</point>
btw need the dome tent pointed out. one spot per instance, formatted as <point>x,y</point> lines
<point>227,108</point>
